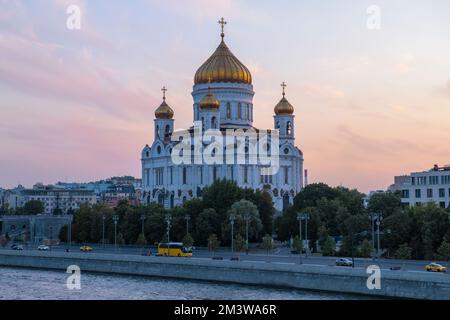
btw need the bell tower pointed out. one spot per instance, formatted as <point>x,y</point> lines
<point>284,117</point>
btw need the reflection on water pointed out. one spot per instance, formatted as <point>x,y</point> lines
<point>44,284</point>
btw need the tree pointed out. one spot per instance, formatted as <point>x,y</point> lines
<point>267,243</point>
<point>443,251</point>
<point>329,247</point>
<point>297,245</point>
<point>266,212</point>
<point>385,202</point>
<point>404,252</point>
<point>208,222</point>
<point>240,210</point>
<point>221,195</point>
<point>141,240</point>
<point>400,225</point>
<point>33,207</point>
<point>312,193</point>
<point>213,243</point>
<point>188,241</point>
<point>63,233</point>
<point>239,244</point>
<point>365,250</point>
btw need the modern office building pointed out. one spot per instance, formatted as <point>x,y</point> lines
<point>427,186</point>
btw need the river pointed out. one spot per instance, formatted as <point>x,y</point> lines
<point>34,284</point>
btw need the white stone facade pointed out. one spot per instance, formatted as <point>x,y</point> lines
<point>427,186</point>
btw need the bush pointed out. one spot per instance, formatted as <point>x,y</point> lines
<point>443,251</point>
<point>329,247</point>
<point>141,240</point>
<point>365,250</point>
<point>404,252</point>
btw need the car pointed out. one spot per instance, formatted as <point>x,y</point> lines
<point>435,267</point>
<point>86,249</point>
<point>344,262</point>
<point>17,247</point>
<point>43,247</point>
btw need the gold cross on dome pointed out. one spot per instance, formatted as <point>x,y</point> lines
<point>222,23</point>
<point>284,85</point>
<point>164,90</point>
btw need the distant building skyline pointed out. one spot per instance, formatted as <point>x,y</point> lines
<point>372,104</point>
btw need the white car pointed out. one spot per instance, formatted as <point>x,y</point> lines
<point>43,247</point>
<point>344,262</point>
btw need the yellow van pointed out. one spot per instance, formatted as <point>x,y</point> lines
<point>173,249</point>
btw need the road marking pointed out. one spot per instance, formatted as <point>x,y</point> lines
<point>315,265</point>
<point>291,263</point>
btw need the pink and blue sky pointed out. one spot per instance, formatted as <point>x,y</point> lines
<point>77,105</point>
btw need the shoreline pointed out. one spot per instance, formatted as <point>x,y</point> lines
<point>303,277</point>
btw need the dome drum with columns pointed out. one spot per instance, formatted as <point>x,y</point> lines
<point>223,99</point>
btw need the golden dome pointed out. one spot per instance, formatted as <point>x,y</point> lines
<point>284,107</point>
<point>209,101</point>
<point>223,66</point>
<point>164,111</point>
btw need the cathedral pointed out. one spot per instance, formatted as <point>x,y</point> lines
<point>223,100</point>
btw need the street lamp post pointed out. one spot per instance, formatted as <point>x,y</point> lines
<point>299,219</point>
<point>306,216</point>
<point>168,219</point>
<point>376,220</point>
<point>103,231</point>
<point>115,219</point>
<point>379,219</point>
<point>51,237</point>
<point>232,219</point>
<point>143,223</point>
<point>187,218</point>
<point>247,220</point>
<point>69,235</point>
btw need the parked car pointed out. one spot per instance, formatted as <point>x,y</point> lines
<point>86,249</point>
<point>17,247</point>
<point>435,267</point>
<point>344,262</point>
<point>43,247</point>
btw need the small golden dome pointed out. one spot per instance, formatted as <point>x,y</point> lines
<point>223,66</point>
<point>209,101</point>
<point>164,111</point>
<point>284,107</point>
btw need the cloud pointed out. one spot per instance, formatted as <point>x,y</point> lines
<point>46,70</point>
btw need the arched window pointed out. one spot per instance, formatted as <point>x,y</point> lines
<point>285,201</point>
<point>172,200</point>
<point>277,125</point>
<point>157,131</point>
<point>228,110</point>
<point>167,129</point>
<point>239,111</point>
<point>288,128</point>
<point>161,199</point>
<point>203,123</point>
<point>248,111</point>
<point>214,173</point>
<point>184,176</point>
<point>214,123</point>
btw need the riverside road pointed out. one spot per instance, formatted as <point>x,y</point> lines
<point>276,256</point>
